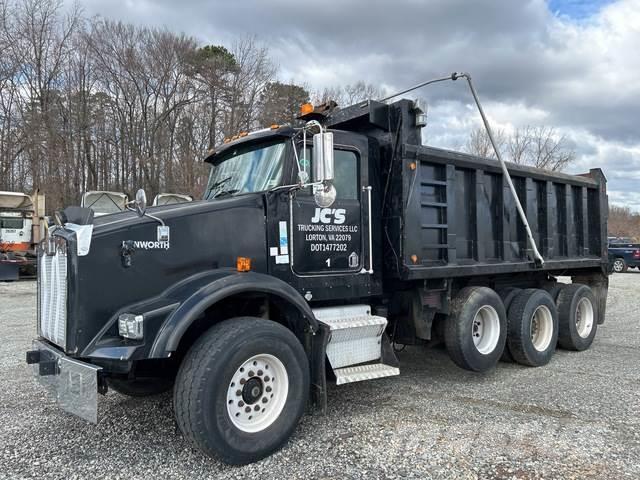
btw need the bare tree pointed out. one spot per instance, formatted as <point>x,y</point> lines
<point>479,144</point>
<point>623,222</point>
<point>540,147</point>
<point>349,94</point>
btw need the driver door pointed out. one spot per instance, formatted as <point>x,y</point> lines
<point>329,240</point>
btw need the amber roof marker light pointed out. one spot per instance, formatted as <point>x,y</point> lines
<point>306,108</point>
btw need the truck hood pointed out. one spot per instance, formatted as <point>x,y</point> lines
<point>204,236</point>
<point>105,224</point>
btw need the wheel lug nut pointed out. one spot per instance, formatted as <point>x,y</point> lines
<point>238,393</point>
<point>242,381</point>
<point>251,374</point>
<point>241,403</point>
<point>257,408</point>
<point>266,379</point>
<point>248,409</point>
<point>268,389</point>
<point>264,400</point>
<point>260,373</point>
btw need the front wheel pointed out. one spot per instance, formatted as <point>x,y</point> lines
<point>242,389</point>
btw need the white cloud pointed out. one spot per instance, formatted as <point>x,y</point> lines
<point>530,66</point>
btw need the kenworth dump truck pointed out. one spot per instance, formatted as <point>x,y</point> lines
<point>314,251</point>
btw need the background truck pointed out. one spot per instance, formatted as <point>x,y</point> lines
<point>171,198</point>
<point>21,229</point>
<point>314,252</point>
<point>104,202</point>
<point>624,254</point>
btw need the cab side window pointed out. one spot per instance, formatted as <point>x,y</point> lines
<point>346,175</point>
<point>346,178</point>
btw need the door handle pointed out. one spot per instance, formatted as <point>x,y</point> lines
<point>368,189</point>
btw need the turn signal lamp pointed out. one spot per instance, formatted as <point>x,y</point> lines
<point>275,126</point>
<point>306,108</point>
<point>243,134</point>
<point>243,264</point>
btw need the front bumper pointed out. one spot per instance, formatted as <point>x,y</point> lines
<point>72,383</point>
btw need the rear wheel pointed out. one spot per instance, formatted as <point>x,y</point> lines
<point>507,295</point>
<point>577,317</point>
<point>242,389</point>
<point>533,327</point>
<point>475,331</point>
<point>619,265</point>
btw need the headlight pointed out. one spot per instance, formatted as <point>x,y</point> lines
<point>130,326</point>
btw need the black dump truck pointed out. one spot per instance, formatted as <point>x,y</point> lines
<point>314,252</point>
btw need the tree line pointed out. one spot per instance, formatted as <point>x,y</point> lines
<point>623,222</point>
<point>93,104</point>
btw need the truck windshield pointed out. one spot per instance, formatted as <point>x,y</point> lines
<point>246,168</point>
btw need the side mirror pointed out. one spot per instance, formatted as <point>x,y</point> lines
<point>323,169</point>
<point>140,202</point>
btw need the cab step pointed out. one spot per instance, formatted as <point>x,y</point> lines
<point>364,372</point>
<point>357,339</point>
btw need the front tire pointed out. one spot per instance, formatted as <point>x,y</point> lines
<point>476,329</point>
<point>242,389</point>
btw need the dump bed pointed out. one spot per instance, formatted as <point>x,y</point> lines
<point>459,217</point>
<point>449,214</point>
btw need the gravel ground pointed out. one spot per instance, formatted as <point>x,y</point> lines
<point>578,417</point>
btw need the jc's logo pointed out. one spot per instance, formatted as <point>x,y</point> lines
<point>324,215</point>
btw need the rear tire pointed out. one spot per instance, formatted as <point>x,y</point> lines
<point>619,265</point>
<point>476,329</point>
<point>577,316</point>
<point>533,327</point>
<point>242,389</point>
<point>507,295</point>
<point>554,290</point>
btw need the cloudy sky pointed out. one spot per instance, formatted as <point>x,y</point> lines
<point>570,64</point>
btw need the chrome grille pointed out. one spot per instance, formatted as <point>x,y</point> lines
<point>52,295</point>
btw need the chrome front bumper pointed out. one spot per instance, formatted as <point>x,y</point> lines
<point>72,383</point>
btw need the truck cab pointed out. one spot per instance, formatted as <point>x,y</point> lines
<point>324,252</point>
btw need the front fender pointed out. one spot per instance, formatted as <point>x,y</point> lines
<point>198,296</point>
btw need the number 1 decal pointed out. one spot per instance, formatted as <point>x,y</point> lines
<point>328,260</point>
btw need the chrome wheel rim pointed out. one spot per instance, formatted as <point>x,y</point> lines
<point>618,266</point>
<point>257,393</point>
<point>485,329</point>
<point>541,328</point>
<point>584,317</point>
